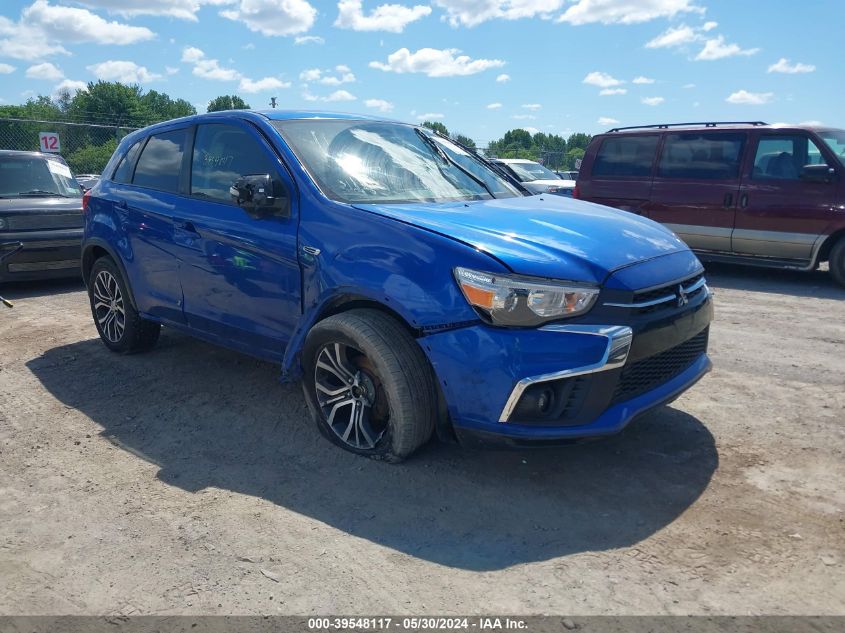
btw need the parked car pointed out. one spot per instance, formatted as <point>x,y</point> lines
<point>87,181</point>
<point>535,177</point>
<point>741,192</point>
<point>41,207</point>
<point>567,175</point>
<point>410,286</point>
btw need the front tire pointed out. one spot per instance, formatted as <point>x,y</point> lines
<point>836,262</point>
<point>120,326</point>
<point>368,385</point>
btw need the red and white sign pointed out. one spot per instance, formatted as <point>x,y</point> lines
<point>49,142</point>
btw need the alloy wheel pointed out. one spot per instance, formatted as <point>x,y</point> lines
<point>108,306</point>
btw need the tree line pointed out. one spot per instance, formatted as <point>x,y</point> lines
<point>93,120</point>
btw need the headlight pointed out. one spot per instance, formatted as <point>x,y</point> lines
<point>523,301</point>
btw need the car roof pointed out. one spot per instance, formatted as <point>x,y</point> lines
<point>33,154</point>
<point>715,127</point>
<point>514,160</point>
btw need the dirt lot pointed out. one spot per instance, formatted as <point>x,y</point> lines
<point>188,480</point>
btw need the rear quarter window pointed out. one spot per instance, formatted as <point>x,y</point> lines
<point>701,156</point>
<point>627,156</point>
<point>123,173</point>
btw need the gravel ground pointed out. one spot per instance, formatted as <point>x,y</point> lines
<point>188,480</point>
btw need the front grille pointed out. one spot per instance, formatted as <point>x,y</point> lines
<point>646,374</point>
<point>42,221</point>
<point>664,297</point>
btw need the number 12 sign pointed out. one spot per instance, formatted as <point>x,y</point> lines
<point>49,142</point>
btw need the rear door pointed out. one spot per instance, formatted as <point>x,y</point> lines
<point>240,271</point>
<point>781,215</point>
<point>146,196</point>
<point>696,187</point>
<point>621,172</point>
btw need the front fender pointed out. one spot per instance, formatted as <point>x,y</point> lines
<point>367,257</point>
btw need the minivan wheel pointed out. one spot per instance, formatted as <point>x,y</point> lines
<point>836,262</point>
<point>120,326</point>
<point>368,385</point>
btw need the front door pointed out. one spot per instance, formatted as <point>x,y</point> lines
<point>239,271</point>
<point>696,187</point>
<point>780,214</point>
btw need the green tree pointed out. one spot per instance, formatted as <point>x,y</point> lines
<point>465,141</point>
<point>227,102</point>
<point>572,155</point>
<point>436,126</point>
<point>579,139</point>
<point>111,103</point>
<point>91,159</point>
<point>163,107</point>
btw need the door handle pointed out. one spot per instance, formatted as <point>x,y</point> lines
<point>184,225</point>
<point>743,200</point>
<point>729,199</point>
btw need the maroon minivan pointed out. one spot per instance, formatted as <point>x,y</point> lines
<point>742,192</point>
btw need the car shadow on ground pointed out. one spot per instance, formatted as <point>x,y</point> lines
<point>210,417</point>
<point>17,290</point>
<point>816,283</point>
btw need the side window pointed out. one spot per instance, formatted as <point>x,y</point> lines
<point>701,156</point>
<point>222,155</point>
<point>161,162</point>
<point>123,173</point>
<point>782,157</point>
<point>626,156</point>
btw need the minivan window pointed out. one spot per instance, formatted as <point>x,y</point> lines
<point>528,172</point>
<point>223,153</point>
<point>782,156</point>
<point>379,162</point>
<point>835,140</point>
<point>701,156</point>
<point>161,161</point>
<point>123,173</point>
<point>626,156</point>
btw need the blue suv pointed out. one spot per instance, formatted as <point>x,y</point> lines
<point>411,287</point>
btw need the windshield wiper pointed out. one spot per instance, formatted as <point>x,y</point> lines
<point>41,192</point>
<point>442,153</point>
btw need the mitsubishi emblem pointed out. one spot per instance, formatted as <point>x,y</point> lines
<point>682,296</point>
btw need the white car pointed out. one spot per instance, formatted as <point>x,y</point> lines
<point>535,177</point>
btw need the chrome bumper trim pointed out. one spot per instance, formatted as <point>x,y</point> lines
<point>619,339</point>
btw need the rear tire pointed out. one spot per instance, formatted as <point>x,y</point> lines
<point>368,385</point>
<point>120,326</point>
<point>836,262</point>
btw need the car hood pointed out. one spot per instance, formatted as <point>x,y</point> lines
<point>35,204</point>
<point>544,236</point>
<point>542,186</point>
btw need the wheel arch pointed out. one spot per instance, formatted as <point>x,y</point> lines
<point>828,244</point>
<point>93,250</point>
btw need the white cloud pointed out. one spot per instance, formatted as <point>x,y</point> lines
<point>718,49</point>
<point>273,17</point>
<point>392,18</point>
<point>70,85</point>
<point>208,68</point>
<point>430,116</point>
<point>783,66</point>
<point>474,12</point>
<point>170,70</point>
<point>610,92</point>
<point>46,71</point>
<point>606,120</point>
<point>653,101</point>
<point>503,78</point>
<point>494,106</point>
<point>262,85</point>
<point>343,75</point>
<point>379,104</point>
<point>5,69</point>
<point>709,26</point>
<point>308,39</point>
<point>523,117</point>
<point>435,62</point>
<point>123,71</point>
<point>674,36</point>
<point>602,80</point>
<point>337,95</point>
<point>531,130</point>
<point>689,86</point>
<point>182,9</point>
<point>531,106</point>
<point>743,97</point>
<point>43,29</point>
<point>642,81</point>
<point>625,11</point>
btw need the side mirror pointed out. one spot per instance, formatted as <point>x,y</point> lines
<point>818,173</point>
<point>256,194</point>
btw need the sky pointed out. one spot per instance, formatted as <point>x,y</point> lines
<point>481,67</point>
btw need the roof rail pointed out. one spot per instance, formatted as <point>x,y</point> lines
<point>664,126</point>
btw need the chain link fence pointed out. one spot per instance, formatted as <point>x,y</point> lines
<point>86,147</point>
